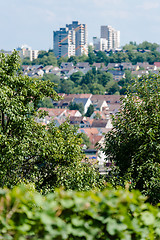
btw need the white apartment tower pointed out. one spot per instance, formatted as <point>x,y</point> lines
<point>112,36</point>
<point>71,40</point>
<point>100,44</point>
<point>26,51</point>
<point>81,33</point>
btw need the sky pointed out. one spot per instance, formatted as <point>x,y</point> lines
<point>32,22</point>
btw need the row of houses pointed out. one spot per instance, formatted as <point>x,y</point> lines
<point>95,128</point>
<point>68,68</point>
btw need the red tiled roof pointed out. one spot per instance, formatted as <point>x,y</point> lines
<point>157,64</point>
<point>53,111</point>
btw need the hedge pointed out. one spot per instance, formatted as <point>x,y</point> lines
<point>110,214</point>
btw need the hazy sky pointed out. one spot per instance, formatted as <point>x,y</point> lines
<point>32,22</point>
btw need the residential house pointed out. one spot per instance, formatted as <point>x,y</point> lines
<point>113,109</point>
<point>66,65</point>
<point>67,70</point>
<point>144,66</point>
<point>100,105</point>
<point>157,64</point>
<point>120,66</point>
<point>98,65</point>
<point>102,123</point>
<point>64,103</point>
<point>73,113</point>
<point>85,101</point>
<point>102,115</point>
<point>82,65</point>
<point>48,69</point>
<point>82,122</point>
<point>140,73</point>
<point>113,103</point>
<point>54,112</point>
<point>117,75</point>
<point>126,66</point>
<point>113,65</point>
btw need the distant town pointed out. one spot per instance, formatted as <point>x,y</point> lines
<point>91,79</point>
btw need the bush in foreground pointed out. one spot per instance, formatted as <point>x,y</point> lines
<point>110,214</point>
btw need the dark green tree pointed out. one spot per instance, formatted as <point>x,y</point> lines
<point>53,78</point>
<point>86,140</point>
<point>90,110</point>
<point>46,102</point>
<point>89,78</point>
<point>67,86</point>
<point>19,133</point>
<point>112,87</point>
<point>77,106</point>
<point>134,143</point>
<point>73,59</point>
<point>104,78</point>
<point>48,156</point>
<point>77,77</point>
<point>96,88</point>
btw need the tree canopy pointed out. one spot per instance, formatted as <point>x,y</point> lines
<point>19,97</point>
<point>134,143</point>
<point>48,156</point>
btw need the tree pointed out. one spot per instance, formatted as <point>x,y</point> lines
<point>86,140</point>
<point>76,77</point>
<point>61,150</point>
<point>46,103</point>
<point>112,87</point>
<point>90,110</point>
<point>134,143</point>
<point>73,59</point>
<point>67,86</point>
<point>104,78</point>
<point>77,106</point>
<point>97,116</point>
<point>96,88</point>
<point>44,58</point>
<point>18,130</point>
<point>48,156</point>
<point>147,45</point>
<point>88,78</point>
<point>53,78</point>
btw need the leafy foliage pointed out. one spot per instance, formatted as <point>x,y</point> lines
<point>134,143</point>
<point>49,156</point>
<point>77,106</point>
<point>110,214</point>
<point>19,97</point>
<point>60,162</point>
<point>90,110</point>
<point>44,57</point>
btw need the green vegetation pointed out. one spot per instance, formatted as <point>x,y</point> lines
<point>90,110</point>
<point>50,157</point>
<point>94,81</point>
<point>46,155</point>
<point>134,143</point>
<point>44,58</point>
<point>132,52</point>
<point>77,106</point>
<point>110,214</point>
<point>19,133</point>
<point>142,46</point>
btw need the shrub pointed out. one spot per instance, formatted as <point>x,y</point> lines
<point>110,214</point>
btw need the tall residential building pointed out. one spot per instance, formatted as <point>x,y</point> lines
<point>100,44</point>
<point>71,40</point>
<point>81,33</point>
<point>26,51</point>
<point>64,42</point>
<point>112,36</point>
